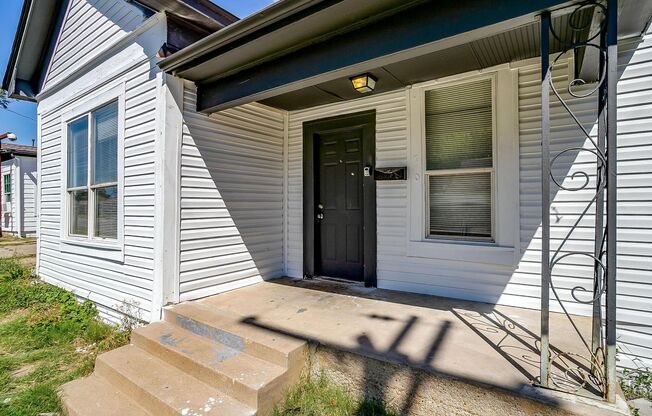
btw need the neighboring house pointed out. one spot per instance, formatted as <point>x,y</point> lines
<point>166,178</point>
<point>18,189</point>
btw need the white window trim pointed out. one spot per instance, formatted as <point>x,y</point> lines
<point>91,246</point>
<point>503,250</point>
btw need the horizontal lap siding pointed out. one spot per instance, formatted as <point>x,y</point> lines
<point>89,28</point>
<point>524,287</point>
<point>635,204</point>
<point>28,172</point>
<point>111,284</point>
<point>8,217</point>
<point>520,286</point>
<point>231,198</point>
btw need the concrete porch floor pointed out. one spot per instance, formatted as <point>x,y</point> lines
<point>483,344</point>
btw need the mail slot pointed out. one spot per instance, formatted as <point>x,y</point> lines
<point>390,174</point>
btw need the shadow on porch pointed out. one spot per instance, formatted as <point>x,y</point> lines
<point>409,349</point>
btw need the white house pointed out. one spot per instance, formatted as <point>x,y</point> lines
<point>18,190</point>
<point>184,153</point>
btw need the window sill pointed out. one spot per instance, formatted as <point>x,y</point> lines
<point>104,250</point>
<point>465,251</point>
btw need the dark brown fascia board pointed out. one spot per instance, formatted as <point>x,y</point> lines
<point>282,10</point>
<point>15,49</point>
<point>202,13</point>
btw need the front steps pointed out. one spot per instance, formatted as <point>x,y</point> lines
<point>198,361</point>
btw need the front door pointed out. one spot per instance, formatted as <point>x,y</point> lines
<point>339,204</point>
<point>340,198</point>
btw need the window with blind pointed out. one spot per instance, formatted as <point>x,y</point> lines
<point>459,161</point>
<point>93,174</point>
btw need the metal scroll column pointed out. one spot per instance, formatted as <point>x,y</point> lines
<point>545,202</point>
<point>612,195</point>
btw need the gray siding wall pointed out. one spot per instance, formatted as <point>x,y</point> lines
<point>519,285</point>
<point>89,29</point>
<point>231,198</point>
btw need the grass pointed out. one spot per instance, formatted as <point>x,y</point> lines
<point>46,339</point>
<point>318,396</point>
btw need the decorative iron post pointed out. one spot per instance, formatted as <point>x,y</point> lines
<point>545,201</point>
<point>594,370</point>
<point>612,194</point>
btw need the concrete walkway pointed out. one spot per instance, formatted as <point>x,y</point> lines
<point>24,249</point>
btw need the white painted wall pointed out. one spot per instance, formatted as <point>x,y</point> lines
<point>518,284</point>
<point>113,279</point>
<point>231,214</point>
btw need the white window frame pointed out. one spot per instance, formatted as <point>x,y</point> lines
<point>502,248</point>
<point>112,249</point>
<point>461,171</point>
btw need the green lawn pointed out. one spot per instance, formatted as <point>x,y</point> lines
<point>46,339</point>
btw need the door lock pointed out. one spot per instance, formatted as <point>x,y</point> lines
<point>320,216</point>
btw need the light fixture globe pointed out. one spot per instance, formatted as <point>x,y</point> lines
<point>364,83</point>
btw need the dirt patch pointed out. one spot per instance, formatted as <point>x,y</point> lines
<point>24,370</point>
<point>13,315</point>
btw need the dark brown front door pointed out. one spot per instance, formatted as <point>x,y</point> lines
<point>339,200</point>
<point>339,204</point>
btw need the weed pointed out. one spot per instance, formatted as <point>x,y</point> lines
<point>47,337</point>
<point>317,396</point>
<point>637,383</point>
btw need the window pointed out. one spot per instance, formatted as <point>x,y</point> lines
<point>92,187</point>
<point>6,180</point>
<point>459,161</point>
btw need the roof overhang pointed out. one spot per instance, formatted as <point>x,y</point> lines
<point>305,50</point>
<point>40,21</point>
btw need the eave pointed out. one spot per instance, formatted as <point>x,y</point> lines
<point>297,45</point>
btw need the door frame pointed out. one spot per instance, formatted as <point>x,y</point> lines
<point>367,122</point>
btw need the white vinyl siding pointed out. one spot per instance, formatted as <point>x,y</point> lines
<point>8,200</point>
<point>231,198</point>
<point>20,168</point>
<point>502,284</point>
<point>28,173</point>
<point>90,28</point>
<point>111,284</point>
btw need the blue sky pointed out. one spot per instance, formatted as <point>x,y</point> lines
<point>20,118</point>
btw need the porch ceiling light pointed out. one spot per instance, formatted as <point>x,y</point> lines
<point>364,83</point>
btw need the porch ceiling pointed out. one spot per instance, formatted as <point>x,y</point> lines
<point>300,53</point>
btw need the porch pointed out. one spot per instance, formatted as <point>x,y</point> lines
<point>422,354</point>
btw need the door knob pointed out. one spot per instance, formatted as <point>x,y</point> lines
<point>320,216</point>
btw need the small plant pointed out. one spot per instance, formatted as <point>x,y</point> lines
<point>317,396</point>
<point>131,317</point>
<point>11,269</point>
<point>637,383</point>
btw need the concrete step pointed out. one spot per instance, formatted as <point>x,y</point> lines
<point>232,330</point>
<point>253,381</point>
<point>94,396</point>
<point>163,389</point>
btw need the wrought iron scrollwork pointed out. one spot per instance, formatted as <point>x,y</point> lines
<point>570,371</point>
